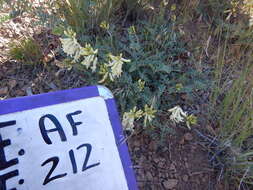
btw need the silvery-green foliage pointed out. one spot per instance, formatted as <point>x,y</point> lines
<point>155,70</point>
<point>153,50</point>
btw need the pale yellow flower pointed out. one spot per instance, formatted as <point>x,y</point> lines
<point>104,25</point>
<point>90,57</point>
<point>177,114</point>
<point>128,121</point>
<point>113,69</point>
<point>141,84</point>
<point>131,30</point>
<point>71,47</point>
<point>179,87</point>
<point>149,114</point>
<point>88,50</point>
<point>191,120</point>
<point>173,18</point>
<point>130,117</point>
<point>105,71</point>
<point>116,63</point>
<point>173,7</point>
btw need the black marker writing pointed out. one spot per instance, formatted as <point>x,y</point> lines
<point>73,161</point>
<point>7,123</point>
<point>55,161</point>
<point>58,128</point>
<point>5,177</point>
<point>3,162</point>
<point>72,122</point>
<point>88,151</point>
<point>4,143</point>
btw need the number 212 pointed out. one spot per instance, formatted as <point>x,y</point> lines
<point>55,161</point>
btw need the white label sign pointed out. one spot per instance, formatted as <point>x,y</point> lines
<point>68,146</point>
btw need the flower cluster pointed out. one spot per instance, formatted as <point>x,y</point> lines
<point>129,117</point>
<point>104,25</point>
<point>113,69</point>
<point>72,48</point>
<point>179,116</point>
<point>90,57</point>
<point>133,115</point>
<point>141,84</point>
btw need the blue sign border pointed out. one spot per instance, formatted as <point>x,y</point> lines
<point>52,98</point>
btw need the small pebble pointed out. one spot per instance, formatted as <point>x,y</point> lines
<point>3,91</point>
<point>185,178</point>
<point>170,183</point>
<point>188,137</point>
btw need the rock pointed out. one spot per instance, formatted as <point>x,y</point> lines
<point>170,183</point>
<point>3,91</point>
<point>149,176</point>
<point>172,167</point>
<point>20,93</point>
<point>160,164</point>
<point>140,176</point>
<point>156,160</point>
<point>12,83</point>
<point>204,178</point>
<point>152,145</point>
<point>52,86</point>
<point>188,137</point>
<point>142,161</point>
<point>29,91</point>
<point>185,178</point>
<point>136,144</point>
<point>48,58</point>
<point>194,147</point>
<point>181,141</point>
<point>160,175</point>
<point>17,20</point>
<point>184,96</point>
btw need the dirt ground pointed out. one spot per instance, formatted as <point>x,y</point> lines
<point>183,166</point>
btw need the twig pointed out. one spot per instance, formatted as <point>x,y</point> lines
<point>124,139</point>
<point>244,175</point>
<point>205,137</point>
<point>221,172</point>
<point>169,151</point>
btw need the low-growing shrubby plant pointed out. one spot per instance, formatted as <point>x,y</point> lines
<point>26,51</point>
<point>142,67</point>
